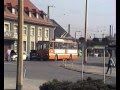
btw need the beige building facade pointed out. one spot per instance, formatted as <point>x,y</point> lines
<point>37,27</point>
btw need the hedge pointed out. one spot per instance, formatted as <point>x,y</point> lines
<point>88,84</point>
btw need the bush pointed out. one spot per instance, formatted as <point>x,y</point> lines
<point>88,84</point>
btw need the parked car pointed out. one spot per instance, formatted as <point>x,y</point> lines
<point>14,57</point>
<point>32,55</point>
<point>96,54</point>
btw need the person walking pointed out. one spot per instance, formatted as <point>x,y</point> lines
<point>79,53</point>
<point>110,64</point>
<point>9,54</point>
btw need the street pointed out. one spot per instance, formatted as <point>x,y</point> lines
<point>49,70</point>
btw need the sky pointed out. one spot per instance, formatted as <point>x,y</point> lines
<point>100,15</point>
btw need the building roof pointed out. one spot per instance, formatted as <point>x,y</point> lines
<point>59,31</point>
<point>30,7</point>
<point>27,3</point>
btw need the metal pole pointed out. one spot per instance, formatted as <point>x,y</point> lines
<point>81,34</point>
<point>75,36</point>
<point>19,77</point>
<point>110,32</point>
<point>94,35</point>
<point>104,65</point>
<point>103,35</point>
<point>82,64</point>
<point>48,12</point>
<point>85,50</point>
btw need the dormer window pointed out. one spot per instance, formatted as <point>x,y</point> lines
<point>42,16</point>
<point>13,11</point>
<point>16,8</point>
<point>9,7</point>
<point>26,11</point>
<point>30,14</point>
<point>37,15</point>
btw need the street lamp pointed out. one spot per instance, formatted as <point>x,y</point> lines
<point>103,35</point>
<point>94,35</point>
<point>49,11</point>
<point>85,50</point>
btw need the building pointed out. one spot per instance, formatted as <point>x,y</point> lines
<point>59,32</point>
<point>37,27</point>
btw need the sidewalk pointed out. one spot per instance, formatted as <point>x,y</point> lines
<point>28,84</point>
<point>88,69</point>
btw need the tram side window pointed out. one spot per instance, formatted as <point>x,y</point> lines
<point>72,46</point>
<point>56,45</point>
<point>64,46</point>
<point>51,45</point>
<point>60,46</point>
<point>75,46</point>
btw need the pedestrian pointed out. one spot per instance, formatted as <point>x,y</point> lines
<point>9,54</point>
<point>79,53</point>
<point>110,64</point>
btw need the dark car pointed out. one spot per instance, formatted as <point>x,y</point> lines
<point>33,55</point>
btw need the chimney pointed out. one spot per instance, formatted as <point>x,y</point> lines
<point>110,31</point>
<point>69,29</point>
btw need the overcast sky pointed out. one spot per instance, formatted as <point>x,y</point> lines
<point>101,14</point>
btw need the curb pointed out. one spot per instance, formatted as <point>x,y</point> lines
<point>85,71</point>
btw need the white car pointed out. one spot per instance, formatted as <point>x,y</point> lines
<point>14,57</point>
<point>96,54</point>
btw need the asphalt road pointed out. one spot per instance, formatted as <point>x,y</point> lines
<point>49,70</point>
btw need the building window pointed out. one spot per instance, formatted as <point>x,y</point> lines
<point>15,28</point>
<point>9,9</point>
<point>30,14</point>
<point>6,27</point>
<point>24,46</point>
<point>47,33</point>
<point>32,45</point>
<point>32,31</point>
<point>16,8</point>
<point>37,15</point>
<point>15,46</point>
<point>25,30</point>
<point>42,16</point>
<point>13,11</point>
<point>40,32</point>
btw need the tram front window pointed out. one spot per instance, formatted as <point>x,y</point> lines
<point>45,46</point>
